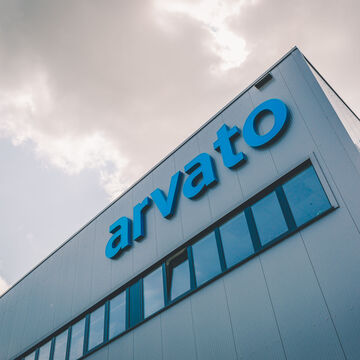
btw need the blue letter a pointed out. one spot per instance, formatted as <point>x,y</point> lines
<point>167,205</point>
<point>121,238</point>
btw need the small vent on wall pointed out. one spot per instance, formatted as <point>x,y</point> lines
<point>264,80</point>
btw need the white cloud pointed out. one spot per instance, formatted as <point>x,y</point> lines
<point>213,15</point>
<point>117,98</point>
<point>3,285</point>
<point>22,115</point>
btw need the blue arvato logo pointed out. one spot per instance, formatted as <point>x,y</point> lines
<point>200,175</point>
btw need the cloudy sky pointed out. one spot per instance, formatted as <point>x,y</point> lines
<point>94,93</point>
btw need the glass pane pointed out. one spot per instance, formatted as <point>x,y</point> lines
<point>117,315</point>
<point>96,329</point>
<point>236,240</point>
<point>31,356</point>
<point>178,274</point>
<point>269,218</point>
<point>153,292</point>
<point>135,303</point>
<point>77,340</point>
<point>306,197</point>
<point>206,259</point>
<point>60,346</point>
<point>44,352</point>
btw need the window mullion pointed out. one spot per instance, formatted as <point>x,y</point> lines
<point>68,344</point>
<point>52,348</point>
<point>220,250</point>
<point>106,321</point>
<point>165,284</point>
<point>86,334</point>
<point>284,204</point>
<point>252,228</point>
<point>192,269</point>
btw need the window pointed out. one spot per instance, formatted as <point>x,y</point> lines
<point>96,327</point>
<point>269,219</point>
<point>117,315</point>
<point>206,259</point>
<point>306,197</point>
<point>60,346</point>
<point>153,292</point>
<point>236,240</point>
<point>135,303</point>
<point>178,275</point>
<point>44,351</point>
<point>77,340</point>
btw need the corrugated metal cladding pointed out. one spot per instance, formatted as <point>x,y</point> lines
<point>298,300</point>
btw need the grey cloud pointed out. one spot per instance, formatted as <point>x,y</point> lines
<point>110,68</point>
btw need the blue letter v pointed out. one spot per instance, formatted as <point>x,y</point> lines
<point>167,205</point>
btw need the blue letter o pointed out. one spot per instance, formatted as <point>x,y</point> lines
<point>280,112</point>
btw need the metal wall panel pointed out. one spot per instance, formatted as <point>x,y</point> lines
<point>102,354</point>
<point>195,213</point>
<point>81,293</point>
<point>17,310</point>
<point>334,244</point>
<point>220,201</point>
<point>169,231</point>
<point>296,143</point>
<point>252,316</point>
<point>65,284</point>
<point>334,249</point>
<point>304,322</point>
<point>21,310</point>
<point>335,157</point>
<point>212,323</point>
<point>121,268</point>
<point>259,167</point>
<point>178,336</point>
<point>27,333</point>
<point>338,111</point>
<point>147,340</point>
<point>144,251</point>
<point>39,319</point>
<point>7,324</point>
<point>3,304</point>
<point>122,348</point>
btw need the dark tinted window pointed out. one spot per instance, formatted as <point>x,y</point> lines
<point>77,340</point>
<point>306,197</point>
<point>96,328</point>
<point>60,346</point>
<point>206,259</point>
<point>135,303</point>
<point>117,315</point>
<point>153,292</point>
<point>269,219</point>
<point>236,240</point>
<point>178,273</point>
<point>44,351</point>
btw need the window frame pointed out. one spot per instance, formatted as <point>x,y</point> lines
<point>167,275</point>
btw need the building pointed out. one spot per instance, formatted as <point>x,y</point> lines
<point>243,243</point>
